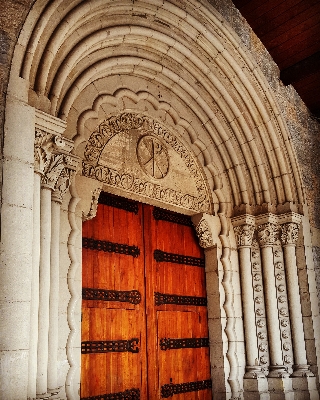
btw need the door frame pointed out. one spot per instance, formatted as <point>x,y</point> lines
<point>226,360</point>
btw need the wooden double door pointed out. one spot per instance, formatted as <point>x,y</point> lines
<point>144,314</point>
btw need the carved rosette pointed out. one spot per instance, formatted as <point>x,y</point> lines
<point>267,234</point>
<point>244,234</point>
<point>94,205</point>
<point>289,233</point>
<point>204,234</point>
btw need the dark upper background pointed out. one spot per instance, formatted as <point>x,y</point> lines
<point>290,31</point>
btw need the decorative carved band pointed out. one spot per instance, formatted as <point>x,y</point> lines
<point>131,296</point>
<point>163,298</point>
<point>110,346</point>
<point>170,216</point>
<point>193,343</point>
<point>170,389</point>
<point>110,247</point>
<point>162,256</point>
<point>118,202</point>
<point>131,394</point>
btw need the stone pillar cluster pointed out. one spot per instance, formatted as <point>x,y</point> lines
<point>272,316</point>
<point>54,168</point>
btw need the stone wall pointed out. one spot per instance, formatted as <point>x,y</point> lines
<point>12,16</point>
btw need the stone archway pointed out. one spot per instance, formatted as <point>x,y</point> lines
<point>68,75</point>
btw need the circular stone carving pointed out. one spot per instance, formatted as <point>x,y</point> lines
<point>153,156</point>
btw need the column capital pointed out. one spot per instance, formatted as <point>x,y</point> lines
<point>52,158</point>
<point>244,235</point>
<point>267,234</point>
<point>289,233</point>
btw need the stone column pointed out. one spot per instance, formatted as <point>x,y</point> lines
<point>289,237</point>
<point>53,163</point>
<point>267,235</point>
<point>32,367</point>
<point>244,230</point>
<point>44,289</point>
<point>63,182</point>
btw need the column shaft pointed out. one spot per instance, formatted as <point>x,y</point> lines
<point>32,368</point>
<point>248,306</point>
<point>44,290</point>
<point>299,352</point>
<point>271,307</point>
<point>54,296</point>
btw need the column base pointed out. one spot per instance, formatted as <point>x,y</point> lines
<point>278,371</point>
<point>253,372</point>
<point>43,396</point>
<point>301,370</point>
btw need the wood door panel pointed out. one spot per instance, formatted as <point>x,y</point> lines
<point>112,372</point>
<point>106,320</point>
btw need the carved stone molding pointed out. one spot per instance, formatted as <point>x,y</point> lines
<point>94,205</point>
<point>204,234</point>
<point>267,234</point>
<point>289,233</point>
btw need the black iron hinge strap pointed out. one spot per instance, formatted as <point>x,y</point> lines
<point>170,216</point>
<point>170,389</point>
<point>110,346</point>
<point>162,256</point>
<point>110,247</point>
<point>164,298</point>
<point>191,343</point>
<point>118,202</point>
<point>130,394</point>
<point>130,296</point>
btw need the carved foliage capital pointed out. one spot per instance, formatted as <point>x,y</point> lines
<point>267,234</point>
<point>204,234</point>
<point>244,235</point>
<point>53,162</point>
<point>289,233</point>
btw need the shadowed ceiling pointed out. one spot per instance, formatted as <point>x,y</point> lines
<point>290,30</point>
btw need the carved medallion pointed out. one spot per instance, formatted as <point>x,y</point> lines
<point>153,156</point>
